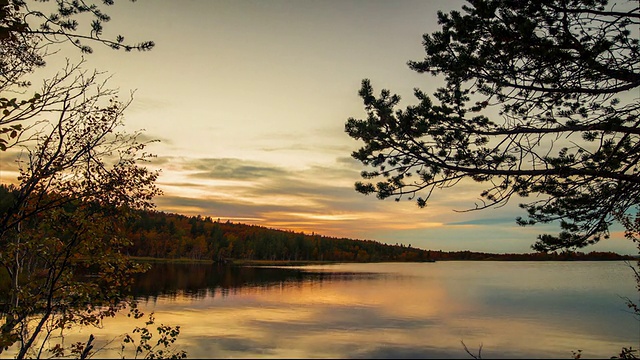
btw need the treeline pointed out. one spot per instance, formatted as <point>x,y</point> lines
<point>164,235</point>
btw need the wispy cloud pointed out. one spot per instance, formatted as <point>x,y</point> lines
<point>232,169</point>
<point>319,198</point>
<point>490,221</point>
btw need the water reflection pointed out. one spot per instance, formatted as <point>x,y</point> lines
<point>198,280</point>
<point>516,310</point>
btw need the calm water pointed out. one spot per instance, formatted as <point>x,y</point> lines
<point>392,310</point>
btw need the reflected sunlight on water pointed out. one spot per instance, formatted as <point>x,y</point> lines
<point>390,310</point>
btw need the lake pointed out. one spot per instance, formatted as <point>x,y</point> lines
<point>391,310</point>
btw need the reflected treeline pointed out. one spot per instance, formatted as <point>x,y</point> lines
<point>200,280</point>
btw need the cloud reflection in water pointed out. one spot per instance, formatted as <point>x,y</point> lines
<point>392,310</point>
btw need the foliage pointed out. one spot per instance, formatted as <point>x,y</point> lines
<point>627,353</point>
<point>48,260</point>
<point>28,36</point>
<point>539,98</point>
<point>143,345</point>
<point>79,180</point>
<point>160,235</point>
<point>60,23</point>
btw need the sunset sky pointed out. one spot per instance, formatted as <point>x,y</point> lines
<point>250,98</point>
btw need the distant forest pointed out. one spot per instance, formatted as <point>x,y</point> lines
<point>164,235</point>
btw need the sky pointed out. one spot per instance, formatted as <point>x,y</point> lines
<point>249,101</point>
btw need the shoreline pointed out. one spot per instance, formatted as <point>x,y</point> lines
<point>244,262</point>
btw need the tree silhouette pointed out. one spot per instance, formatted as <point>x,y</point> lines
<point>28,36</point>
<point>539,98</point>
<point>80,177</point>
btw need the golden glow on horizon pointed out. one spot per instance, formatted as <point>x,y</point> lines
<point>239,142</point>
<point>325,217</point>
